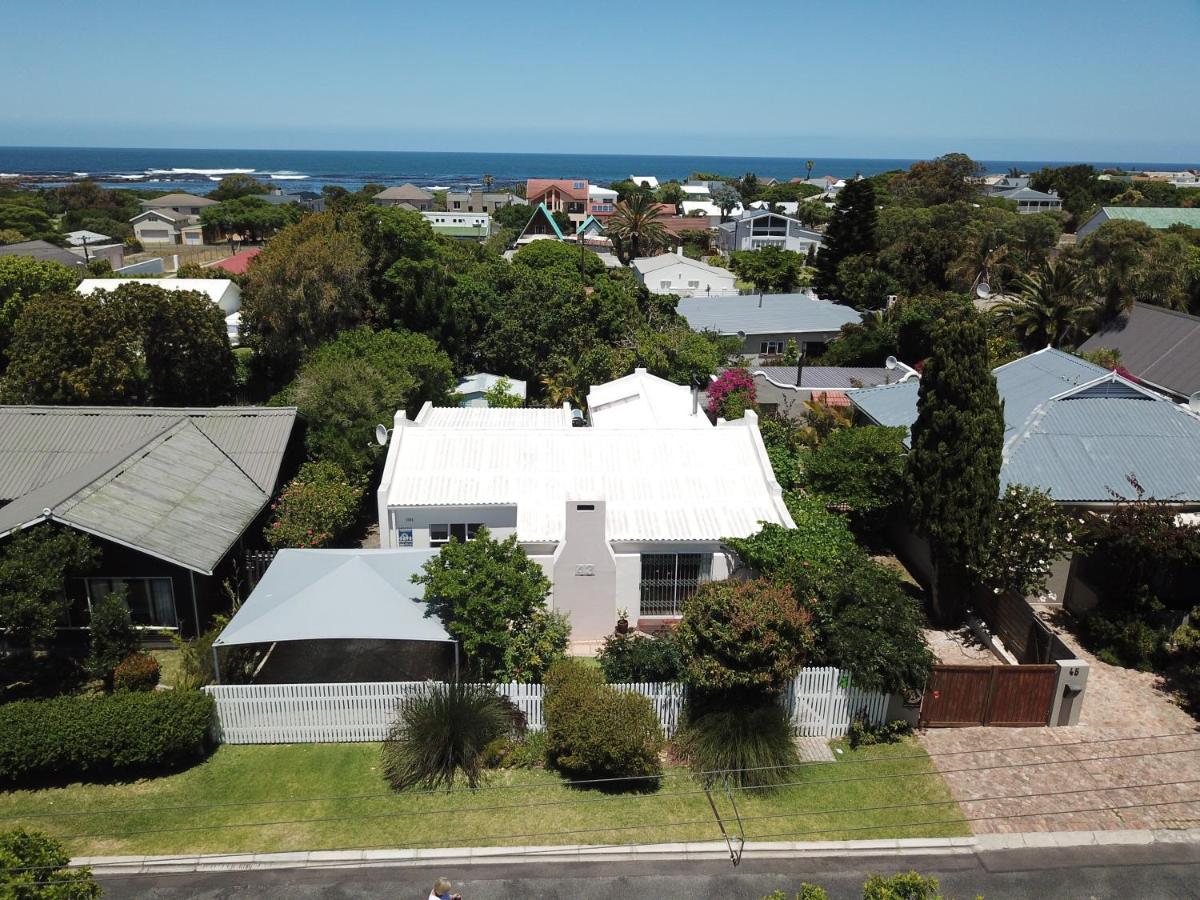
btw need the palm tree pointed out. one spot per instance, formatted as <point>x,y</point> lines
<point>487,182</point>
<point>809,167</point>
<point>636,229</point>
<point>1050,309</point>
<point>563,385</point>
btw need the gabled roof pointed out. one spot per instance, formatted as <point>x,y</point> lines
<point>647,264</point>
<point>575,188</point>
<point>179,484</point>
<point>477,418</point>
<point>648,180</point>
<point>44,250</point>
<point>778,314</point>
<point>544,212</point>
<point>170,215</point>
<point>1159,346</point>
<point>177,200</point>
<point>590,225</point>
<point>404,192</point>
<point>1024,193</point>
<point>1155,216</point>
<point>641,400</point>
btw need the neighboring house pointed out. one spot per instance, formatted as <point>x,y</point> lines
<point>168,495</point>
<point>167,226</point>
<point>91,245</point>
<point>1159,347</point>
<point>787,207</point>
<point>673,273</point>
<point>222,291</point>
<point>761,228</point>
<point>474,388</point>
<point>1030,201</point>
<point>696,192</point>
<point>309,200</point>
<point>480,201</point>
<point>405,195</point>
<point>642,400</point>
<point>1156,217</point>
<point>706,211</point>
<point>565,195</point>
<point>648,181</point>
<point>541,226</point>
<point>620,518</point>
<point>766,324</point>
<point>84,237</point>
<point>469,226</point>
<point>44,250</point>
<point>1077,431</point>
<point>777,392</point>
<point>184,204</point>
<point>602,201</point>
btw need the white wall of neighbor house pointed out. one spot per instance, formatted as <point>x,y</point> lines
<point>420,527</point>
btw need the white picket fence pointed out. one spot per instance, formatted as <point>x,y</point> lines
<point>821,703</point>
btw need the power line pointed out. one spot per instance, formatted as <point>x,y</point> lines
<point>665,776</point>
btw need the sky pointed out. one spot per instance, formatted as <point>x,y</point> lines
<point>1061,79</point>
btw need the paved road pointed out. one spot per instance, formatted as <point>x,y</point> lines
<point>1158,871</point>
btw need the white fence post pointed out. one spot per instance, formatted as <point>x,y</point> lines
<point>820,702</point>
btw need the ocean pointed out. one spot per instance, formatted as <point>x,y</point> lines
<point>198,171</point>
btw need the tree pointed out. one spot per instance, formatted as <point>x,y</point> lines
<point>485,592</point>
<point>315,508</point>
<point>726,197</point>
<point>253,217</point>
<point>237,185</point>
<point>859,469</point>
<point>862,284</point>
<point>1111,257</point>
<point>111,636</point>
<point>23,277</point>
<point>850,231</point>
<point>500,395</point>
<point>1031,534</point>
<point>515,216</point>
<point>743,635</point>
<point>947,179</point>
<point>34,566</point>
<point>770,268</point>
<point>1050,310</point>
<point>358,380</point>
<point>812,213</point>
<point>636,228</point>
<point>309,283</point>
<point>953,468</point>
<point>34,866</point>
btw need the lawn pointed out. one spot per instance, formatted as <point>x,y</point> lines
<point>331,796</point>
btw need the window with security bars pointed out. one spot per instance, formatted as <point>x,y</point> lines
<point>668,579</point>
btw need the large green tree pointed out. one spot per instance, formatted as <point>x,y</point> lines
<point>34,565</point>
<point>953,468</point>
<point>237,185</point>
<point>947,179</point>
<point>1051,309</point>
<point>22,277</point>
<point>850,231</point>
<point>770,269</point>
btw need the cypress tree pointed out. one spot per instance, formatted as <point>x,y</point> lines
<point>850,231</point>
<point>953,469</point>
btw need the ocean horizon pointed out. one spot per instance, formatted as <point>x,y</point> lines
<point>199,170</point>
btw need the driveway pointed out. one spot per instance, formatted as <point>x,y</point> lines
<point>1133,747</point>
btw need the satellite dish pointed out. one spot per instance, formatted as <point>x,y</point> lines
<point>983,290</point>
<point>891,362</point>
<point>381,435</point>
<point>1194,401</point>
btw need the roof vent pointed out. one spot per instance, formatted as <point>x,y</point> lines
<point>577,420</point>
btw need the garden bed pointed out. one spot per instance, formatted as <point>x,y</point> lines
<point>331,796</point>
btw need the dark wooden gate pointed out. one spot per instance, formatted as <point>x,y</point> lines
<point>1013,696</point>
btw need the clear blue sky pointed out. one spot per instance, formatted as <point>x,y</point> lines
<point>1055,79</point>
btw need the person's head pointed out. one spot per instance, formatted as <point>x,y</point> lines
<point>441,886</point>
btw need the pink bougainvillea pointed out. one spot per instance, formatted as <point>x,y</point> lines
<point>731,394</point>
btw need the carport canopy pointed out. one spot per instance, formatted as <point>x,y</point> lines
<point>314,595</point>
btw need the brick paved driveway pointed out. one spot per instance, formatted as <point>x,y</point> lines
<point>1053,779</point>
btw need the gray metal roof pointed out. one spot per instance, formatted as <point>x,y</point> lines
<point>180,484</point>
<point>1076,430</point>
<point>1159,346</point>
<point>44,250</point>
<point>310,595</point>
<point>779,314</point>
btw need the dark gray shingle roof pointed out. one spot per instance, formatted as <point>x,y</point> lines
<point>1158,346</point>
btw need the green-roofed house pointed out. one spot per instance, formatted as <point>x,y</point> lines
<point>541,226</point>
<point>1159,218</point>
<point>462,225</point>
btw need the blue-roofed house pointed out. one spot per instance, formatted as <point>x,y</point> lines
<point>1076,430</point>
<point>765,324</point>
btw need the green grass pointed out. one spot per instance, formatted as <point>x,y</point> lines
<point>137,817</point>
<point>168,664</point>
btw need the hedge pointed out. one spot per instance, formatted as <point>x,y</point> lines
<point>83,737</point>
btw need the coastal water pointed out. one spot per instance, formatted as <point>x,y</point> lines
<point>199,170</point>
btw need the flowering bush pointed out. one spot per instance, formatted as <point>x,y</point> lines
<point>731,394</point>
<point>137,672</point>
<point>1031,534</point>
<point>315,507</point>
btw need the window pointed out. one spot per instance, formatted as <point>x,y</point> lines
<point>457,204</point>
<point>151,600</point>
<point>461,532</point>
<point>665,285</point>
<point>668,579</point>
<point>770,348</point>
<point>693,284</point>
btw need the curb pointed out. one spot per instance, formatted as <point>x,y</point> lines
<point>694,851</point>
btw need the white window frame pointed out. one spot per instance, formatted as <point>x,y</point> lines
<point>461,531</point>
<point>88,591</point>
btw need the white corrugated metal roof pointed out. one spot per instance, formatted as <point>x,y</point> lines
<point>490,417</point>
<point>659,484</point>
<point>221,291</point>
<point>640,400</point>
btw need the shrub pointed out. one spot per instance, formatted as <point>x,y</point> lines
<point>535,645</point>
<point>731,394</point>
<point>443,733</point>
<point>137,672</point>
<point>87,737</point>
<point>863,734</point>
<point>1030,536</point>
<point>34,866</point>
<point>527,752</point>
<point>751,739</point>
<point>807,892</point>
<point>315,507</point>
<point>26,676</point>
<point>903,886</point>
<point>861,469</point>
<point>743,634</point>
<point>594,731</point>
<point>626,658</point>
<point>112,635</point>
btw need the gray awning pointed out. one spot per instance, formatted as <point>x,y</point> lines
<point>313,595</point>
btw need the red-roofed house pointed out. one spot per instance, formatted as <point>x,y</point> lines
<point>238,263</point>
<point>565,195</point>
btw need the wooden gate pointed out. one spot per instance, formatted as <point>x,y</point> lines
<point>1013,696</point>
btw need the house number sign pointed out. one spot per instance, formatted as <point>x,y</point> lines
<point>585,569</point>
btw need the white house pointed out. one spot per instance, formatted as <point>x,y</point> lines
<point>645,181</point>
<point>167,226</point>
<point>760,228</point>
<point>674,273</point>
<point>467,225</point>
<point>620,518</point>
<point>642,400</point>
<point>222,291</point>
<point>707,209</point>
<point>474,388</point>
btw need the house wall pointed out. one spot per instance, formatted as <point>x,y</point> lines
<point>687,281</point>
<point>155,231</point>
<point>752,346</point>
<point>412,523</point>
